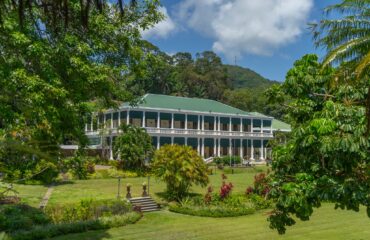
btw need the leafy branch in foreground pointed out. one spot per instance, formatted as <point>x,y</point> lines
<point>327,157</point>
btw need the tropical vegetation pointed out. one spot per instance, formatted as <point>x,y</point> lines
<point>179,167</point>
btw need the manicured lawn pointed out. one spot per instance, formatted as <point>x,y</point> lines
<point>326,223</point>
<point>107,188</point>
<point>31,194</point>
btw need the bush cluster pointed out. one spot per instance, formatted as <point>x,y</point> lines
<point>235,205</point>
<point>226,160</point>
<point>87,210</point>
<point>52,230</point>
<point>20,216</point>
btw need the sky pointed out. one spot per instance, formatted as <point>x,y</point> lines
<point>266,36</point>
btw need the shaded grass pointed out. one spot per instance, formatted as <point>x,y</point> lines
<point>326,223</point>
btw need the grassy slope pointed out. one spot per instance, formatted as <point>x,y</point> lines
<point>325,224</point>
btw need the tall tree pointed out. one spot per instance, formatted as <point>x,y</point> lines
<point>133,146</point>
<point>53,77</point>
<point>327,156</point>
<point>346,38</point>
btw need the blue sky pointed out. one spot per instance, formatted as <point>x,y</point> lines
<point>264,35</point>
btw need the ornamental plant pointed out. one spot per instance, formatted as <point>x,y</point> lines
<point>208,196</point>
<point>179,167</point>
<point>226,188</point>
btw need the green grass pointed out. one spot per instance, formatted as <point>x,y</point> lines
<point>31,194</point>
<point>107,188</point>
<point>326,223</point>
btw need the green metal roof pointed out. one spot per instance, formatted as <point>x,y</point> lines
<point>189,104</point>
<point>279,125</point>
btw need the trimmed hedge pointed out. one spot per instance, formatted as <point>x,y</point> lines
<point>211,211</point>
<point>53,230</point>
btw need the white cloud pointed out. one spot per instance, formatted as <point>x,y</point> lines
<point>162,29</point>
<point>246,26</point>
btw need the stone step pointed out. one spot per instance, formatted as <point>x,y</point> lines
<point>146,204</point>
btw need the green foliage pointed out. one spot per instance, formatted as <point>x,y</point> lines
<point>19,216</point>
<point>227,160</point>
<point>326,158</point>
<point>133,146</point>
<point>233,206</point>
<point>52,77</point>
<point>179,167</point>
<point>80,166</point>
<point>53,230</point>
<point>86,210</point>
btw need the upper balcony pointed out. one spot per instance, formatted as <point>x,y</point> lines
<point>193,133</point>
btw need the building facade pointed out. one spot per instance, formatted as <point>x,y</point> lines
<point>210,127</point>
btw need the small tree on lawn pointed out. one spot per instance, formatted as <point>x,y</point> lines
<point>179,167</point>
<point>133,146</point>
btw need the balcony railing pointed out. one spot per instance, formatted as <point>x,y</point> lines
<point>195,132</point>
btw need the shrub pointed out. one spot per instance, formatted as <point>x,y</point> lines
<point>87,210</point>
<point>79,166</point>
<point>179,167</point>
<point>52,230</point>
<point>226,188</point>
<point>260,202</point>
<point>226,160</point>
<point>20,216</point>
<point>230,207</point>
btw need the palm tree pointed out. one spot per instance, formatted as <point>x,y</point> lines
<point>347,41</point>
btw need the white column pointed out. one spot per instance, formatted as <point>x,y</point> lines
<point>265,152</point>
<point>215,123</point>
<point>143,123</point>
<point>198,122</point>
<point>252,150</point>
<point>171,140</point>
<point>241,125</point>
<point>158,120</point>
<point>230,125</point>
<point>203,123</point>
<point>119,119</point>
<point>219,123</point>
<point>128,117</point>
<point>86,127</point>
<point>203,147</point>
<point>198,142</point>
<point>186,141</point>
<point>251,124</point>
<point>111,120</point>
<point>158,141</point>
<point>262,151</point>
<point>214,146</point>
<point>230,147</point>
<point>171,120</point>
<point>186,121</point>
<point>111,148</point>
<point>219,148</point>
<point>241,149</point>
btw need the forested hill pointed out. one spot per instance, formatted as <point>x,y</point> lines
<point>241,77</point>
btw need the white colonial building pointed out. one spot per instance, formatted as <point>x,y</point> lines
<point>210,127</point>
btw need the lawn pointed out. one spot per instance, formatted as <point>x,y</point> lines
<point>108,188</point>
<point>31,194</point>
<point>326,223</point>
